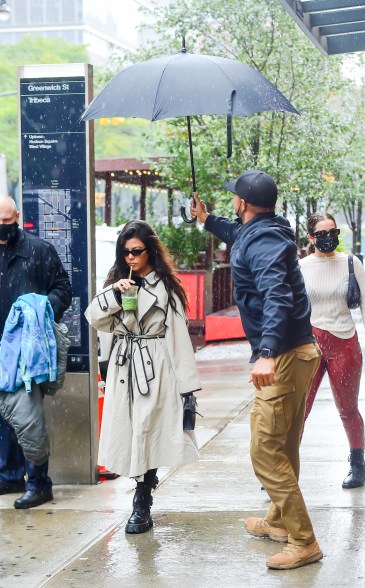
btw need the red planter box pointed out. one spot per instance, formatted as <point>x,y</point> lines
<point>193,282</point>
<point>223,325</point>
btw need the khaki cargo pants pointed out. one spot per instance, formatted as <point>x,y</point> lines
<point>277,419</point>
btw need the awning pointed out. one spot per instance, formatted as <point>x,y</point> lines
<point>334,26</point>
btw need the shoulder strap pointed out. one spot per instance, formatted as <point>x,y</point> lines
<point>351,264</point>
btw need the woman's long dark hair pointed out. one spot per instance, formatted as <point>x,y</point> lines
<point>312,220</point>
<point>158,256</point>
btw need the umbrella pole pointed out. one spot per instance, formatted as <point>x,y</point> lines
<point>182,209</point>
<point>191,154</point>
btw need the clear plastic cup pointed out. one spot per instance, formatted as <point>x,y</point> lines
<point>129,298</point>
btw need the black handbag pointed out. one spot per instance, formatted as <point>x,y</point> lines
<point>190,412</point>
<point>353,292</point>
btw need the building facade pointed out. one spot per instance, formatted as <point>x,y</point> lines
<point>98,25</point>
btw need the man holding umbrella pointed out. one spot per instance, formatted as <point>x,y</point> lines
<point>270,294</point>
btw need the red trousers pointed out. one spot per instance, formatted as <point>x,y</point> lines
<point>342,359</point>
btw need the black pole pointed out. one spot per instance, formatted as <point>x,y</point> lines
<point>191,154</point>
<point>182,209</point>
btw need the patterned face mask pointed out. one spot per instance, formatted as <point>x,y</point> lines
<point>327,244</point>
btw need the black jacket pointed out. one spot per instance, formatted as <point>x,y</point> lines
<point>32,265</point>
<point>268,285</point>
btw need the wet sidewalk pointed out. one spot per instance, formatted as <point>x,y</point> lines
<point>199,510</point>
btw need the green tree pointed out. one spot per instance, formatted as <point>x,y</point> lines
<point>124,138</point>
<point>348,184</point>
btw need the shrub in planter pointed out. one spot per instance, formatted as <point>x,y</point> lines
<point>186,243</point>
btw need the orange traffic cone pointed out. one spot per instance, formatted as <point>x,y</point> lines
<point>104,473</point>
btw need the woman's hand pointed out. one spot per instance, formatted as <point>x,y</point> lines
<point>123,284</point>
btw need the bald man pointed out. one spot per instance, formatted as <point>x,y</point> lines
<point>28,264</point>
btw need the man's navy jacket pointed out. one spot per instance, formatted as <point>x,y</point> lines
<point>268,285</point>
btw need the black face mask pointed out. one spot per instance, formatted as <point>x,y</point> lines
<point>8,232</point>
<point>327,245</point>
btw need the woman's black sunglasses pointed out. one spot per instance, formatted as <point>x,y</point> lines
<point>134,252</point>
<point>324,234</point>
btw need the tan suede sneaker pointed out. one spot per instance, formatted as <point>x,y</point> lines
<point>295,556</point>
<point>261,528</point>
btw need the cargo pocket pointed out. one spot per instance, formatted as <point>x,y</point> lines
<point>275,390</point>
<point>268,420</point>
<point>308,352</point>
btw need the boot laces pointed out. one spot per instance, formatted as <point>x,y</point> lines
<point>354,462</point>
<point>291,549</point>
<point>261,525</point>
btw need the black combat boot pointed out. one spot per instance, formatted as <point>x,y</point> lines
<point>140,520</point>
<point>356,475</point>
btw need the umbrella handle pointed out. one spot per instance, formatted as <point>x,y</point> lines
<point>190,221</point>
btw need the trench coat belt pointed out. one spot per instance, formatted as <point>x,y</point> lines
<point>140,361</point>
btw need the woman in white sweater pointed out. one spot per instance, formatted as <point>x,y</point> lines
<point>326,276</point>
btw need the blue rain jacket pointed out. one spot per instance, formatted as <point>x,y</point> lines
<point>28,350</point>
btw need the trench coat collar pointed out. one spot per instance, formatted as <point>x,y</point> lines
<point>152,293</point>
<point>152,278</point>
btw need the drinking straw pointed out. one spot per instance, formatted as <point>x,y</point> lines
<point>130,273</point>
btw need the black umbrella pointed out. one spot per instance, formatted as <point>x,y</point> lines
<point>187,84</point>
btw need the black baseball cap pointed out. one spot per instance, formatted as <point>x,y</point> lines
<point>254,187</point>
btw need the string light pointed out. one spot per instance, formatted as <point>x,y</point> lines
<point>5,11</point>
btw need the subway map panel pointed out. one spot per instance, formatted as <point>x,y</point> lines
<point>54,188</point>
<point>55,223</point>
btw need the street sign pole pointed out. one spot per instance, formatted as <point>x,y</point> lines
<point>57,204</point>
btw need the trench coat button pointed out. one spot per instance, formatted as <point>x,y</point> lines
<point>122,381</point>
<point>148,363</point>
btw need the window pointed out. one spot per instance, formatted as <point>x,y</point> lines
<point>19,12</point>
<point>35,11</point>
<point>79,12</point>
<point>53,12</point>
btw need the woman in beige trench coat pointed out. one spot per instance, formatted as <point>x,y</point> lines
<point>151,366</point>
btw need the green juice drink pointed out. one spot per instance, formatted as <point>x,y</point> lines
<point>129,303</point>
<point>129,298</point>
